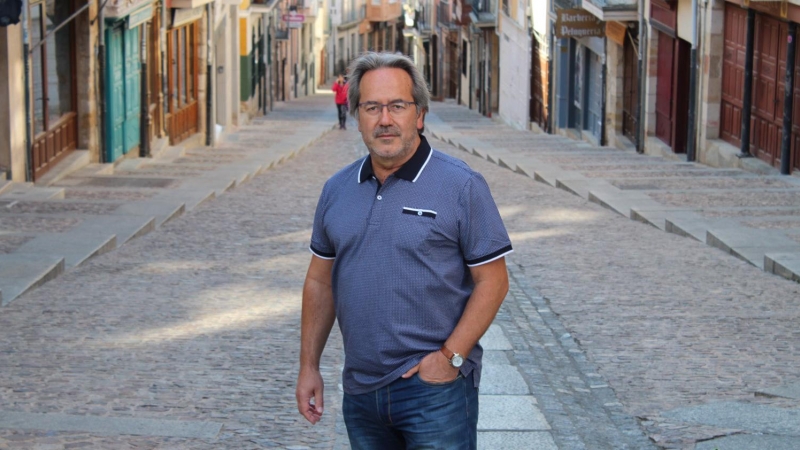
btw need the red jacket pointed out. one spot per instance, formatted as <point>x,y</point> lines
<point>341,93</point>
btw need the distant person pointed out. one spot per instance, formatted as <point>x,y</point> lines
<point>408,253</point>
<point>340,89</point>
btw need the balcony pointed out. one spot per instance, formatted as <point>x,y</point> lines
<point>484,13</point>
<point>619,10</point>
<point>444,14</point>
<point>383,10</point>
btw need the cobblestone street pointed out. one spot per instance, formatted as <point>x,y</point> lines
<point>188,337</point>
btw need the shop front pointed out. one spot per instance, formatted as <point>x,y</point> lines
<point>53,84</point>
<point>768,53</point>
<point>183,68</point>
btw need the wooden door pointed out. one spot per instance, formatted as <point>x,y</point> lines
<point>680,95</point>
<point>733,61</point>
<point>452,58</point>
<point>538,82</point>
<point>769,69</point>
<point>795,140</point>
<point>630,90</point>
<point>665,80</point>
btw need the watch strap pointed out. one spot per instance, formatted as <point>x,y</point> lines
<point>447,353</point>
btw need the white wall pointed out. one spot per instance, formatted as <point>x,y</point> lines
<point>515,64</point>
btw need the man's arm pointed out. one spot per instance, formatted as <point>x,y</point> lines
<point>491,287</point>
<point>317,320</point>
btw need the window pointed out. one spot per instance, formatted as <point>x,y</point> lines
<point>52,64</point>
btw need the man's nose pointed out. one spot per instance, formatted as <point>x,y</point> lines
<point>385,117</point>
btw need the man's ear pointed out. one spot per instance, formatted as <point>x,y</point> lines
<point>421,120</point>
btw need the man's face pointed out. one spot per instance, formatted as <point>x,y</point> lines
<point>389,137</point>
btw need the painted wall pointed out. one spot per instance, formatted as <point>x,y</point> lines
<point>514,80</point>
<point>12,117</point>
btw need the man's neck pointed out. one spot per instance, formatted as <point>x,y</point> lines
<point>382,168</point>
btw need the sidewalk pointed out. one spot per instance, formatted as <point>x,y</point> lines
<point>753,217</point>
<point>46,230</point>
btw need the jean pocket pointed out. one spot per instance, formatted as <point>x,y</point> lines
<point>444,384</point>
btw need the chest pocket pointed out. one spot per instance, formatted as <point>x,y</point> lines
<point>414,230</point>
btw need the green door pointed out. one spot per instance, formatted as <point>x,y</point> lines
<point>123,100</point>
<point>132,89</point>
<point>115,93</point>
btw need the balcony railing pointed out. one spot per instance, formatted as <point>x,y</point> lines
<point>483,6</point>
<point>444,14</point>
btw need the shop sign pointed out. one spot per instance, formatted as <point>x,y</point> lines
<point>188,15</point>
<point>139,17</point>
<point>10,11</point>
<point>577,23</point>
<point>293,17</point>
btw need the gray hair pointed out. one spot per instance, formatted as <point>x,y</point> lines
<point>373,60</point>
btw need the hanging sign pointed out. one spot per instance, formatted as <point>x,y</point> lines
<point>139,17</point>
<point>616,32</point>
<point>10,11</point>
<point>183,16</point>
<point>577,23</point>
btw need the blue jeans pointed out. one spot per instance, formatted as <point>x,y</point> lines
<point>413,414</point>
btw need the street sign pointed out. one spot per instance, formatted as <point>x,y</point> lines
<point>577,23</point>
<point>295,25</point>
<point>293,18</point>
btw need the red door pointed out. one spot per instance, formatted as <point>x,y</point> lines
<point>769,68</point>
<point>733,59</point>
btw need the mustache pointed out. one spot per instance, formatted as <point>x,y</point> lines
<point>394,131</point>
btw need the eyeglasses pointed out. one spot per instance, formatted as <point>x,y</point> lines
<point>374,109</point>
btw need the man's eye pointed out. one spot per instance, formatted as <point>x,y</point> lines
<point>398,107</point>
<point>371,108</point>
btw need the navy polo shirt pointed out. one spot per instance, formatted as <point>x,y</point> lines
<point>402,253</point>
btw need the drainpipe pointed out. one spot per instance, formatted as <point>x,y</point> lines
<point>640,132</point>
<point>550,91</point>
<point>788,94</point>
<point>209,81</point>
<point>28,112</point>
<point>164,35</point>
<point>604,75</point>
<point>101,81</point>
<point>144,103</point>
<point>692,125</point>
<point>748,86</point>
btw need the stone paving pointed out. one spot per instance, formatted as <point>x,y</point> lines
<point>624,336</point>
<point>669,322</point>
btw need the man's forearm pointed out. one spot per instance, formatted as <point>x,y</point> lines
<point>486,299</point>
<point>318,316</point>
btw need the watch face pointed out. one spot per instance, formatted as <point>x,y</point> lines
<point>457,360</point>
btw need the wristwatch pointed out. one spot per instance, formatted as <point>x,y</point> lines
<point>456,360</point>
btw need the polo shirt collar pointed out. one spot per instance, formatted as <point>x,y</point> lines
<point>409,171</point>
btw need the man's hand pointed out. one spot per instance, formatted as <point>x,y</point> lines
<point>310,386</point>
<point>434,368</point>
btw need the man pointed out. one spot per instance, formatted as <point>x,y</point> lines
<point>340,98</point>
<point>408,253</point>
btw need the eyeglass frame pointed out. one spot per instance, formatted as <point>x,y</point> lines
<point>386,105</point>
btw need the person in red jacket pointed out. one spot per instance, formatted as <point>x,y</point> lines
<point>340,89</point>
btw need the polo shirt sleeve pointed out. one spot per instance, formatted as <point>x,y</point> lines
<point>483,235</point>
<point>321,245</point>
